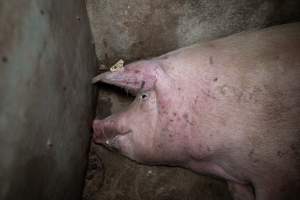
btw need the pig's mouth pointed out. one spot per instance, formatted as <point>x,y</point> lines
<point>108,138</point>
<point>112,143</point>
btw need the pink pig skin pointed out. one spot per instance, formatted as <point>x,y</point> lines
<point>228,108</point>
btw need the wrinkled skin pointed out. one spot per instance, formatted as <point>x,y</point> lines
<point>228,107</point>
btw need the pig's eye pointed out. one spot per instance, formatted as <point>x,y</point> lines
<point>144,96</point>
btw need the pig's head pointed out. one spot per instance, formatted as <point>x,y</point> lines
<point>140,132</point>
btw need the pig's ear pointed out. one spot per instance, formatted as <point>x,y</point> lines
<point>133,78</point>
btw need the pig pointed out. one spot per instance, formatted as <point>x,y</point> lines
<point>229,108</point>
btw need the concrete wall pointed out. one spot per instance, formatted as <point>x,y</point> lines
<point>46,100</point>
<point>135,29</point>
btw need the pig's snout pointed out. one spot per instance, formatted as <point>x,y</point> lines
<point>107,130</point>
<point>103,130</point>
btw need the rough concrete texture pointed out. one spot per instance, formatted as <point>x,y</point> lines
<point>136,29</point>
<point>46,62</point>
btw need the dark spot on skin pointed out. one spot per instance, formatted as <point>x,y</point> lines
<point>174,113</point>
<point>210,135</point>
<point>211,61</point>
<point>4,59</point>
<point>208,149</point>
<point>171,120</point>
<point>136,71</point>
<point>170,135</point>
<point>185,116</point>
<point>143,84</point>
<point>196,100</point>
<point>208,94</point>
<point>179,88</point>
<point>184,148</point>
<point>78,18</point>
<point>215,79</point>
<point>42,12</point>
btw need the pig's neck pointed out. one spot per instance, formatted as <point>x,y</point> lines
<point>210,141</point>
<point>210,125</point>
<point>211,136</point>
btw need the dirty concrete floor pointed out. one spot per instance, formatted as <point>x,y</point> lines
<point>137,29</point>
<point>110,177</point>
